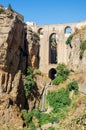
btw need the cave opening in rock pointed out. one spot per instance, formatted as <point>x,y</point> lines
<point>52,73</point>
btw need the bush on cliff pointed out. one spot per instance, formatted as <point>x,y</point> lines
<point>73,86</point>
<point>2,10</point>
<point>62,74</point>
<point>82,49</point>
<point>59,100</point>
<point>69,39</point>
<point>29,81</point>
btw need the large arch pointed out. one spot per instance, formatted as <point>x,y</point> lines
<point>53,48</point>
<point>52,73</point>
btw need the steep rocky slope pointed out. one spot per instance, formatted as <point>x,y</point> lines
<point>33,48</point>
<point>75,62</point>
<point>13,59</point>
<point>19,47</point>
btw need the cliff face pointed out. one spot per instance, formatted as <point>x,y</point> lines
<point>75,62</point>
<point>13,59</point>
<point>19,47</point>
<point>33,48</point>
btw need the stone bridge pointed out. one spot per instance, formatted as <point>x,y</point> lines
<point>53,48</point>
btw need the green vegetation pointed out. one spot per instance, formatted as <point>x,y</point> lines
<point>36,36</point>
<point>62,74</point>
<point>73,86</point>
<point>51,128</point>
<point>41,117</point>
<point>58,100</point>
<point>2,10</point>
<point>29,81</point>
<point>58,80</point>
<point>69,39</point>
<point>53,40</point>
<point>36,72</point>
<point>27,116</point>
<point>82,48</point>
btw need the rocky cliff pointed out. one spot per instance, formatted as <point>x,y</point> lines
<point>33,48</point>
<point>13,61</point>
<point>19,47</point>
<point>77,51</point>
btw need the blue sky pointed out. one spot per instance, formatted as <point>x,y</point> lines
<point>49,11</point>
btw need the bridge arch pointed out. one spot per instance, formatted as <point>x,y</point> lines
<point>53,48</point>
<point>52,73</point>
<point>41,31</point>
<point>68,30</point>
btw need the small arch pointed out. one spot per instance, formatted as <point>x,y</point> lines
<point>68,30</point>
<point>41,31</point>
<point>53,48</point>
<point>52,73</point>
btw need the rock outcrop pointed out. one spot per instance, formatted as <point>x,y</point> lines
<point>75,63</point>
<point>19,47</point>
<point>13,62</point>
<point>33,48</point>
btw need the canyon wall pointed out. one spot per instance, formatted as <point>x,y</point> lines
<point>13,62</point>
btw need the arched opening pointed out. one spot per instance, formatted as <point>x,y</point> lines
<point>53,48</point>
<point>41,31</point>
<point>68,30</point>
<point>52,73</point>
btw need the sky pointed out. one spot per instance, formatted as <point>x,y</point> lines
<point>49,11</point>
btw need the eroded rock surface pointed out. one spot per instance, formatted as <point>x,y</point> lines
<point>13,59</point>
<point>75,63</point>
<point>33,48</point>
<point>19,47</point>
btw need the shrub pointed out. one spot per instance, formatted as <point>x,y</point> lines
<point>62,74</point>
<point>27,116</point>
<point>69,39</point>
<point>37,72</point>
<point>36,113</point>
<point>51,128</point>
<point>32,126</point>
<point>58,100</point>
<point>58,80</point>
<point>2,10</point>
<point>29,82</point>
<point>73,86</point>
<point>62,70</point>
<point>43,118</point>
<point>81,54</point>
<point>82,49</point>
<point>36,35</point>
<point>29,71</point>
